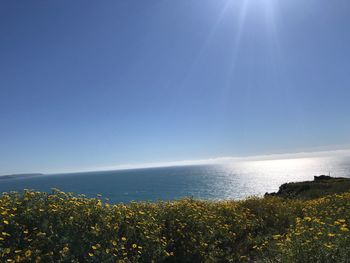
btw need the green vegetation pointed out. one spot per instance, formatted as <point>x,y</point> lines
<point>60,227</point>
<point>321,186</point>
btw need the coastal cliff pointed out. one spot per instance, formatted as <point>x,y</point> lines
<point>321,185</point>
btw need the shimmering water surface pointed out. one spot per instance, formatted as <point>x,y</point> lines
<point>232,180</point>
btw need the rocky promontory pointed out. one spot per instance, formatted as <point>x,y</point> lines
<point>321,185</point>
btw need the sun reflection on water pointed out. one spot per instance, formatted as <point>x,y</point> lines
<point>255,177</point>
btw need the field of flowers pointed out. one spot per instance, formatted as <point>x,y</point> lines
<point>62,227</point>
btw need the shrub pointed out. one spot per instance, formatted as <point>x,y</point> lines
<point>63,227</point>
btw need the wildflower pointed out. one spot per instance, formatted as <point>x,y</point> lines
<point>6,222</point>
<point>344,229</point>
<point>328,245</point>
<point>40,234</point>
<point>124,238</point>
<point>28,253</point>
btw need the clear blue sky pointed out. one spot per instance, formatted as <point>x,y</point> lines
<point>88,84</point>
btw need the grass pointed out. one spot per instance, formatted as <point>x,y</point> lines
<point>63,227</point>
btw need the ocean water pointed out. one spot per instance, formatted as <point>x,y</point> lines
<point>229,180</point>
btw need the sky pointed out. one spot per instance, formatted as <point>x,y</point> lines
<point>87,84</point>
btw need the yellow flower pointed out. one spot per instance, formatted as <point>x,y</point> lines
<point>91,255</point>
<point>331,235</point>
<point>94,247</point>
<point>41,234</point>
<point>344,229</point>
<point>6,222</point>
<point>28,253</point>
<point>328,245</point>
<point>124,238</point>
<point>134,246</point>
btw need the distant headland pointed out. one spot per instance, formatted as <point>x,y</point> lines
<point>14,176</point>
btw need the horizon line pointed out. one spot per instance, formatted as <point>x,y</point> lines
<point>210,161</point>
<point>221,160</point>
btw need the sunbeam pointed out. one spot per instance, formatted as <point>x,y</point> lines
<point>255,17</point>
<point>207,41</point>
<point>237,38</point>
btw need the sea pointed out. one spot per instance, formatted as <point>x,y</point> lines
<point>232,179</point>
